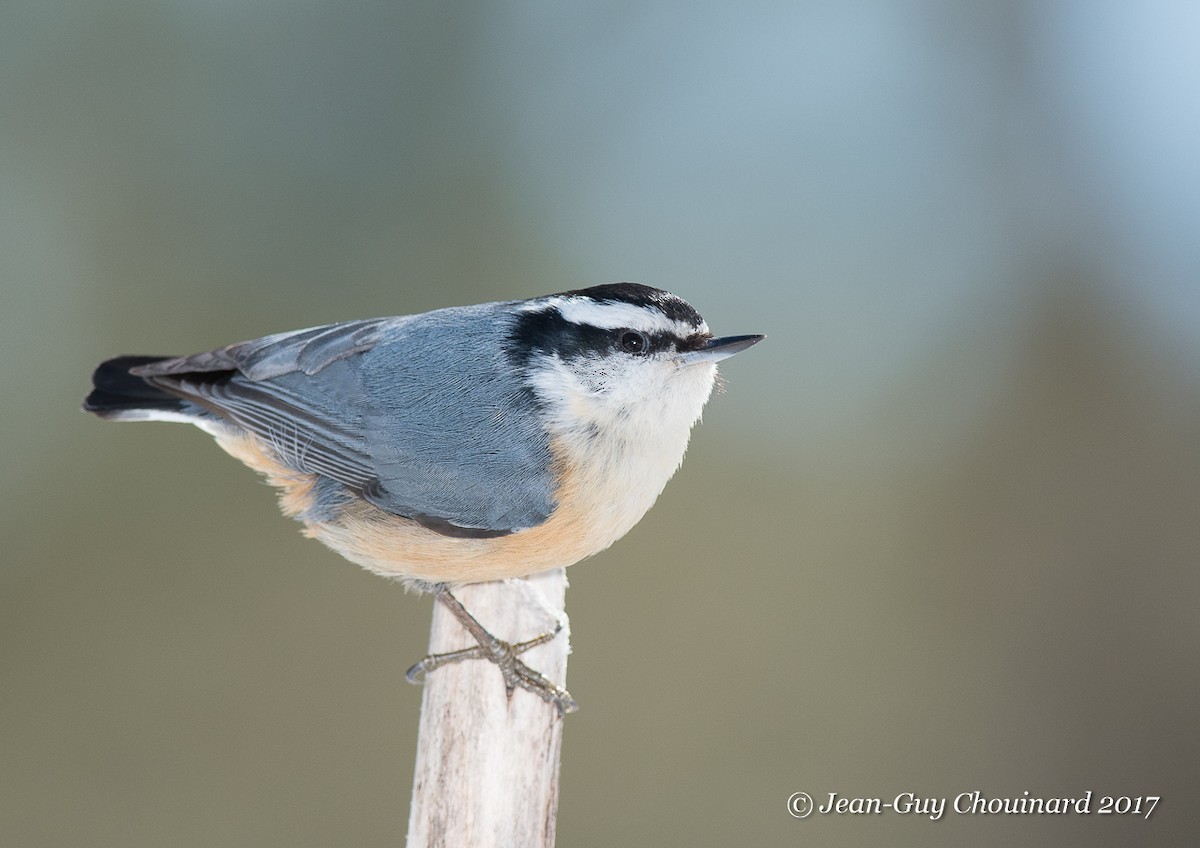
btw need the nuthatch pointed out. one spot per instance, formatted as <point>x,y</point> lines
<point>456,446</point>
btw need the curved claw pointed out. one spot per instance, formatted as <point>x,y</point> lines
<point>415,674</point>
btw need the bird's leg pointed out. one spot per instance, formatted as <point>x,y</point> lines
<point>503,654</point>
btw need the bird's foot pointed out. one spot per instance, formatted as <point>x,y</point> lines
<point>504,654</point>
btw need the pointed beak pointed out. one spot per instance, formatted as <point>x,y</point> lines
<point>715,350</point>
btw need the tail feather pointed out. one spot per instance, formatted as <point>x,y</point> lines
<point>116,390</point>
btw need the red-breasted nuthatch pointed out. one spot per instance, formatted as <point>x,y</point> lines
<point>456,446</point>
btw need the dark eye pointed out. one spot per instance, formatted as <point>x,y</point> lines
<point>634,342</point>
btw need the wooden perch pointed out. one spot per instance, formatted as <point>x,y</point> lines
<point>487,765</point>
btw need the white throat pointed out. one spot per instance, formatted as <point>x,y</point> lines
<point>623,425</point>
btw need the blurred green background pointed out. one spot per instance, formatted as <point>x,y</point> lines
<point>939,534</point>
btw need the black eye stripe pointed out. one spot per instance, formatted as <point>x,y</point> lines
<point>659,341</point>
<point>548,332</point>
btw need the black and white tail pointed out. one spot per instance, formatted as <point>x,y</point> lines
<point>118,394</point>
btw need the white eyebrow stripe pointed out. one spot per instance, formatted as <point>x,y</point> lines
<point>616,315</point>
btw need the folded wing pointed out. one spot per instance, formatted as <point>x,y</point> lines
<point>419,415</point>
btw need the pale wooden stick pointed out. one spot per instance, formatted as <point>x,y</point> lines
<point>487,766</point>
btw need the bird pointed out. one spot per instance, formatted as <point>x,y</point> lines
<point>456,446</point>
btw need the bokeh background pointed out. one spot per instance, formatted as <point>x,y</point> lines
<point>939,534</point>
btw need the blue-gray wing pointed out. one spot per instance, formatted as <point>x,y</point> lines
<point>421,415</point>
